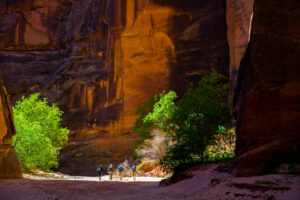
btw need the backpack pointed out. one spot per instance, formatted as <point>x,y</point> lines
<point>99,169</point>
<point>134,168</point>
<point>120,168</point>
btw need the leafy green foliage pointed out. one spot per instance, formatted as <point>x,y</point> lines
<point>154,114</point>
<point>192,122</point>
<point>223,144</point>
<point>265,182</point>
<point>39,133</point>
<point>220,158</point>
<point>200,115</point>
<point>163,111</point>
<point>141,128</point>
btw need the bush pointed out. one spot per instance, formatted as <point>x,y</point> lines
<point>154,148</point>
<point>223,143</point>
<point>39,133</point>
<point>265,182</point>
<point>140,127</point>
<point>155,114</point>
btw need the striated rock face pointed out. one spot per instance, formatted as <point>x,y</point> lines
<point>9,165</point>
<point>100,59</point>
<point>238,15</point>
<point>268,91</point>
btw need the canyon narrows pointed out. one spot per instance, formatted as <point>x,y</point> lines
<point>101,59</point>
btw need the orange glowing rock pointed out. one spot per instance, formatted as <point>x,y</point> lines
<point>9,165</point>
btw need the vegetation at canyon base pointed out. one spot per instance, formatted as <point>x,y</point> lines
<point>39,133</point>
<point>196,123</point>
<point>265,182</point>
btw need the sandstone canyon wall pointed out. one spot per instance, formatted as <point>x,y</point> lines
<point>100,59</point>
<point>268,91</point>
<point>238,16</point>
<point>9,165</point>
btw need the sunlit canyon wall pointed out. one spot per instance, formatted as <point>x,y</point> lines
<point>239,16</point>
<point>9,165</point>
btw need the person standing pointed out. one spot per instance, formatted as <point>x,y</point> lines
<point>99,171</point>
<point>121,170</point>
<point>133,172</point>
<point>110,171</point>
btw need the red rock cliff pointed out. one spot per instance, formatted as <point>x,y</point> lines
<point>9,165</point>
<point>268,91</point>
<point>100,59</point>
<point>238,15</point>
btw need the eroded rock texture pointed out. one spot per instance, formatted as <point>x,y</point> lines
<point>100,59</point>
<point>9,165</point>
<point>238,15</point>
<point>268,91</point>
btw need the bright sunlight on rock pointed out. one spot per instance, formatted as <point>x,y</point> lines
<point>9,165</point>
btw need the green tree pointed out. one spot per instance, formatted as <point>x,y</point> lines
<point>39,133</point>
<point>200,114</point>
<point>192,122</point>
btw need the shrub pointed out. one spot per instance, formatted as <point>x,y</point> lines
<point>141,128</point>
<point>155,114</point>
<point>265,182</point>
<point>223,143</point>
<point>154,148</point>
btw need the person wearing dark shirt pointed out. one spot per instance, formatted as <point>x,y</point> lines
<point>99,171</point>
<point>121,170</point>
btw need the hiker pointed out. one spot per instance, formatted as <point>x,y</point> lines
<point>121,169</point>
<point>133,172</point>
<point>110,171</point>
<point>99,170</point>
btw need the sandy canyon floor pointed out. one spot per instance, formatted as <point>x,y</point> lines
<point>205,185</point>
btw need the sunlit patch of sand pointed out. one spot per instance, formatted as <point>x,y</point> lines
<point>40,175</point>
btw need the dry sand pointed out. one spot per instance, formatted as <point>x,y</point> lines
<point>207,185</point>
